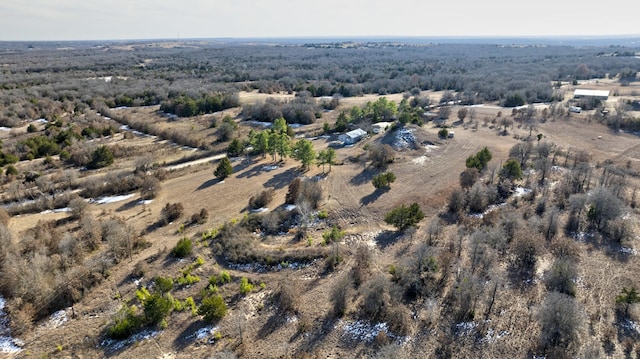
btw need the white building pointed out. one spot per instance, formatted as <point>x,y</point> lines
<point>599,94</point>
<point>380,127</point>
<point>352,137</point>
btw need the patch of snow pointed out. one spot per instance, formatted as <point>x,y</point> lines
<point>5,129</point>
<point>138,281</point>
<point>290,207</point>
<point>367,332</point>
<point>466,328</point>
<point>270,168</point>
<point>489,209</point>
<point>111,199</point>
<point>121,108</point>
<point>521,191</point>
<point>148,201</point>
<point>558,169</point>
<point>262,268</point>
<point>295,125</point>
<point>260,124</point>
<point>582,236</point>
<point>41,120</point>
<point>8,344</point>
<point>58,318</point>
<point>292,319</point>
<point>260,210</point>
<point>204,332</point>
<point>631,325</point>
<point>628,250</point>
<point>57,210</point>
<point>115,345</point>
<point>420,160</point>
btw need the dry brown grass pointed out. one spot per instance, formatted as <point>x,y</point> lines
<point>426,177</point>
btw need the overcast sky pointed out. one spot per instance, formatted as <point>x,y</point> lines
<point>156,19</point>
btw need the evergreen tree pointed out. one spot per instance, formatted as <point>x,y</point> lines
<point>224,169</point>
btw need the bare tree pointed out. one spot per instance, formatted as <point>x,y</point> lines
<point>562,321</point>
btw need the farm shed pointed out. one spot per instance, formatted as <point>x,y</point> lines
<point>598,94</point>
<point>352,137</point>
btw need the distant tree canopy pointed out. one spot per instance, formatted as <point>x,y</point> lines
<point>514,100</point>
<point>184,105</point>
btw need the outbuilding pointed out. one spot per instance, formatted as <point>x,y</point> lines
<point>352,137</point>
<point>380,127</point>
<point>597,94</point>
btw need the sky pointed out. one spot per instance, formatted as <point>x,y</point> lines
<point>58,20</point>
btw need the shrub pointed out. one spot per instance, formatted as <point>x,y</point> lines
<point>443,133</point>
<point>288,297</point>
<point>224,169</point>
<point>334,235</point>
<point>480,159</point>
<point>561,319</point>
<point>164,285</point>
<point>383,180</point>
<point>200,217</point>
<point>403,217</point>
<point>262,199</point>
<point>245,286</point>
<point>561,276</point>
<point>511,170</point>
<point>381,155</point>
<point>171,212</point>
<point>183,248</point>
<point>125,323</point>
<point>100,157</point>
<point>340,293</point>
<point>213,308</point>
<point>157,308</point>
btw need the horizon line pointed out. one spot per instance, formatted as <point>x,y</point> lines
<point>351,37</point>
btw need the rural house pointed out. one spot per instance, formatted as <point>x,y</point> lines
<point>352,137</point>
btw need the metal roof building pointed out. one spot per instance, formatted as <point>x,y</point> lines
<point>599,94</point>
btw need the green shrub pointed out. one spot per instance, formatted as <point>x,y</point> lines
<point>383,180</point>
<point>213,308</point>
<point>443,133</point>
<point>183,248</point>
<point>188,279</point>
<point>245,286</point>
<point>157,308</point>
<point>224,277</point>
<point>334,235</point>
<point>323,214</point>
<point>164,285</point>
<point>125,323</point>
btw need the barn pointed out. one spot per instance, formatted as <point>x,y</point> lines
<point>588,94</point>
